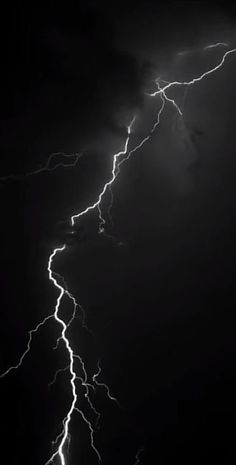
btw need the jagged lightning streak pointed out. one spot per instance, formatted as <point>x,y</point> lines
<point>161,91</point>
<point>116,164</point>
<point>87,386</point>
<point>47,167</point>
<point>126,157</point>
<point>61,322</point>
<point>60,451</point>
<point>63,337</point>
<point>118,159</point>
<point>76,305</point>
<point>206,48</point>
<point>31,332</point>
<point>103,385</point>
<point>60,370</point>
<point>91,429</point>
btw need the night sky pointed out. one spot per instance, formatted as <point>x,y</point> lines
<point>159,295</point>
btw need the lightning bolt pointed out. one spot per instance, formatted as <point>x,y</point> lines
<point>207,47</point>
<point>61,370</point>
<point>103,385</point>
<point>48,166</point>
<point>62,290</point>
<point>64,437</point>
<point>127,155</point>
<point>116,157</point>
<point>63,325</point>
<point>216,45</point>
<point>30,333</point>
<point>163,90</point>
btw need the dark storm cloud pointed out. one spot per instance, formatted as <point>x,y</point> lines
<point>74,77</point>
<point>69,84</point>
<point>155,32</point>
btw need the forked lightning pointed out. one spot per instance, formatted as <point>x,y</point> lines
<point>62,441</point>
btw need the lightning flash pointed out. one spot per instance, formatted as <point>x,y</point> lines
<point>49,166</point>
<point>62,442</point>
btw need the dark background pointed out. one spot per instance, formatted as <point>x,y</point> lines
<point>162,306</point>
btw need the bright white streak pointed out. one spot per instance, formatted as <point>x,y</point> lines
<point>59,451</point>
<point>126,158</point>
<point>108,183</point>
<point>194,80</point>
<point>115,172</point>
<point>65,435</point>
<point>66,421</point>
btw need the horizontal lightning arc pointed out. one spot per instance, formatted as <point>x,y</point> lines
<point>217,44</point>
<point>46,167</point>
<point>204,49</point>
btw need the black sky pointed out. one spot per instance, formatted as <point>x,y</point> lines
<point>162,305</point>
